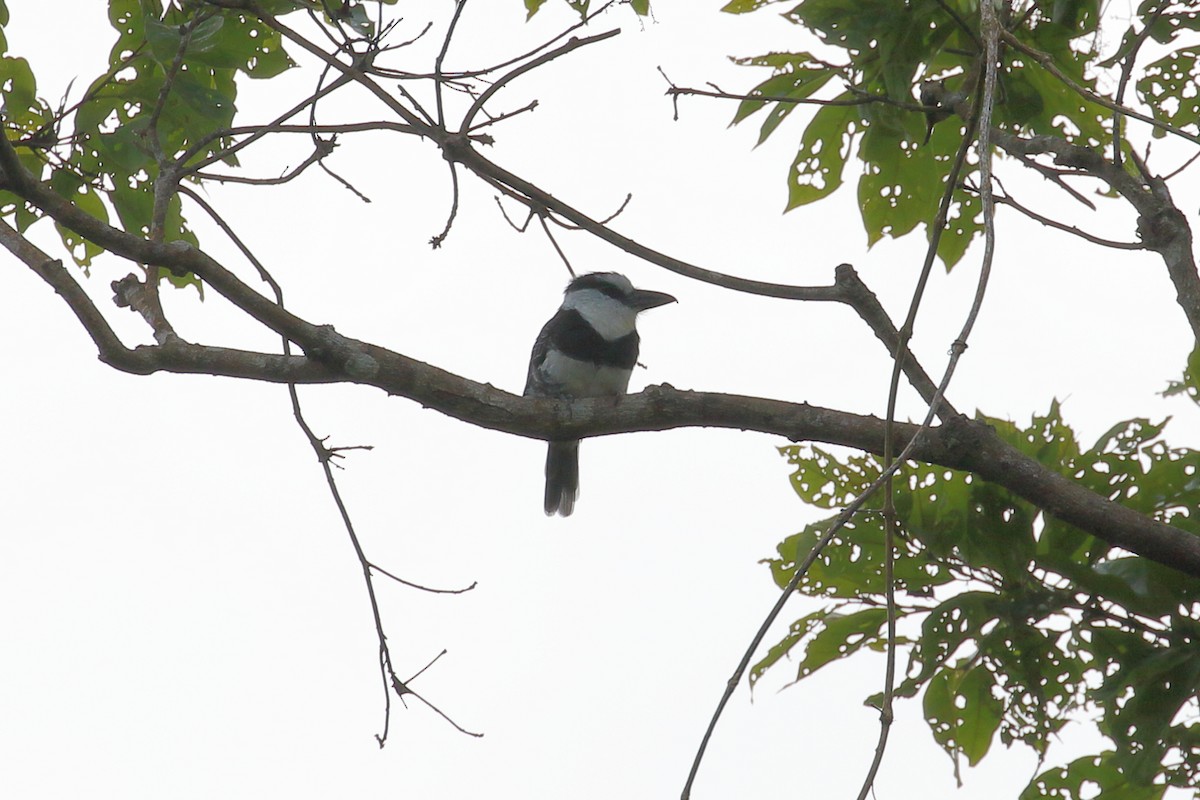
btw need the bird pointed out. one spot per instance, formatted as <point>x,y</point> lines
<point>588,349</point>
<point>935,97</point>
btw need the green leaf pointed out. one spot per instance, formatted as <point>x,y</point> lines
<point>1169,87</point>
<point>840,635</point>
<point>822,480</point>
<point>164,40</point>
<point>830,635</point>
<point>18,86</point>
<point>205,35</point>
<point>817,169</point>
<point>360,20</point>
<point>799,630</point>
<point>796,75</point>
<point>71,186</point>
<point>123,149</point>
<point>134,206</point>
<point>962,711</point>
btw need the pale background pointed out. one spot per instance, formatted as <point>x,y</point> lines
<point>182,615</point>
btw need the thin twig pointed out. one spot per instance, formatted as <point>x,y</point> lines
<point>325,456</point>
<point>256,131</point>
<point>861,98</point>
<point>530,106</point>
<point>345,183</point>
<point>436,241</point>
<point>886,714</point>
<point>413,585</point>
<point>1055,176</point>
<point>1126,71</point>
<point>1186,164</point>
<point>1047,63</point>
<point>504,213</point>
<point>605,221</point>
<point>1062,226</point>
<point>572,44</point>
<point>476,73</point>
<point>402,688</point>
<point>546,228</point>
<point>459,5</point>
<point>325,149</point>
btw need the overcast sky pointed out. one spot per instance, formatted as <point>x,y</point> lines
<point>182,613</point>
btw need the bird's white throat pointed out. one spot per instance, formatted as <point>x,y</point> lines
<point>610,317</point>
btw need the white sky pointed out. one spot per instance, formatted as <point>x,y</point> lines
<point>183,616</point>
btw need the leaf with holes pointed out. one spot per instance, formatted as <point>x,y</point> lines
<point>962,712</point>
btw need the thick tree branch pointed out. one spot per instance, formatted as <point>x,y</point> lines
<point>176,356</point>
<point>958,443</point>
<point>331,357</point>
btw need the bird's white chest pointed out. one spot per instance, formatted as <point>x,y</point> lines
<point>584,378</point>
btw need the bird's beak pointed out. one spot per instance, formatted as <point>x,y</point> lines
<point>641,299</point>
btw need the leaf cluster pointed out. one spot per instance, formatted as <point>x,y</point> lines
<point>1015,622</point>
<point>167,97</point>
<point>881,52</point>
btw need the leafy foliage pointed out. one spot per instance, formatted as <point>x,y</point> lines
<point>1013,622</point>
<point>1016,622</point>
<point>885,50</point>
<point>170,92</point>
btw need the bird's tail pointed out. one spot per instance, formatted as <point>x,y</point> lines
<point>562,477</point>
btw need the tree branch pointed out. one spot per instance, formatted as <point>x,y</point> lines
<point>331,357</point>
<point>1071,229</point>
<point>958,443</point>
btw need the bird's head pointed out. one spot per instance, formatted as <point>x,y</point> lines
<point>609,303</point>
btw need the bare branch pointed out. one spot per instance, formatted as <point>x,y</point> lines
<point>504,213</point>
<point>1184,166</point>
<point>530,106</point>
<point>412,585</point>
<point>323,149</point>
<point>459,5</point>
<point>1062,226</point>
<point>572,44</point>
<point>1055,176</point>
<point>436,241</point>
<point>541,218</point>
<point>861,98</point>
<point>620,209</point>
